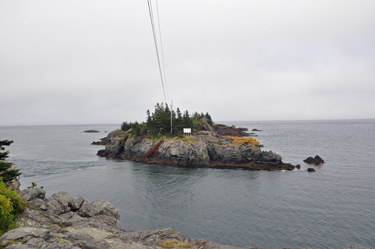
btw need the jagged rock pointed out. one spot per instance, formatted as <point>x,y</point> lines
<point>311,170</point>
<point>316,160</point>
<point>59,203</point>
<point>229,130</point>
<point>76,203</point>
<point>203,127</point>
<point>35,193</point>
<point>22,233</point>
<point>99,207</point>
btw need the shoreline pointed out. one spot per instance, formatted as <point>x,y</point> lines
<point>204,149</point>
<point>64,221</point>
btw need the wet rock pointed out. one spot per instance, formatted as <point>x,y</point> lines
<point>311,170</point>
<point>316,160</point>
<point>298,166</point>
<point>92,130</point>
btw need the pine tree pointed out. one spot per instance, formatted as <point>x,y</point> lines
<point>188,122</point>
<point>209,119</point>
<point>6,174</point>
<point>179,123</point>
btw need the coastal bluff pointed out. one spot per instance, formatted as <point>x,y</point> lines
<point>67,222</point>
<point>203,149</point>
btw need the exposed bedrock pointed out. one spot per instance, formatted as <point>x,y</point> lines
<point>230,130</point>
<point>204,150</point>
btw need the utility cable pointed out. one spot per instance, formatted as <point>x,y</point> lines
<point>156,46</point>
<point>161,48</point>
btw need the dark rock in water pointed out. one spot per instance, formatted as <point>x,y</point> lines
<point>91,131</point>
<point>316,160</point>
<point>311,170</point>
<point>298,166</point>
<point>224,130</point>
<point>255,130</point>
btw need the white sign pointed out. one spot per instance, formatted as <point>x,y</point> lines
<point>187,130</point>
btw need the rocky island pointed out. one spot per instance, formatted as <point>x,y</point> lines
<point>203,149</point>
<point>209,144</point>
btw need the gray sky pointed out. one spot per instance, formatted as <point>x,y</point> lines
<point>82,62</point>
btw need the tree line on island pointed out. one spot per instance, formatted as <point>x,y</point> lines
<point>159,121</point>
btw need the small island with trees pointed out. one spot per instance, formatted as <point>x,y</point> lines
<point>161,140</point>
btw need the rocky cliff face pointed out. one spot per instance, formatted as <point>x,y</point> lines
<point>204,150</point>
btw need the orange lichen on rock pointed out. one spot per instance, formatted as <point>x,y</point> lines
<point>243,140</point>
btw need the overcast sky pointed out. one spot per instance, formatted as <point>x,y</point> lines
<point>85,62</point>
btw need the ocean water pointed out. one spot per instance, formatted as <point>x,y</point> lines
<point>330,208</point>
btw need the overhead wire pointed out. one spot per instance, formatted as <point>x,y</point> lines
<point>162,50</point>
<point>156,46</point>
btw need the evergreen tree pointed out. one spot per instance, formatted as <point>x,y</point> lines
<point>196,116</point>
<point>126,126</point>
<point>188,122</point>
<point>137,128</point>
<point>148,120</point>
<point>166,119</point>
<point>6,174</point>
<point>179,123</point>
<point>209,119</point>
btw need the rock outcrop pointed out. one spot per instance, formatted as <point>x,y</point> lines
<point>316,160</point>
<point>204,150</point>
<point>67,222</point>
<point>224,130</point>
<point>108,139</point>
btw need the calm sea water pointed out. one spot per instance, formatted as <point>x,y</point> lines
<point>331,208</point>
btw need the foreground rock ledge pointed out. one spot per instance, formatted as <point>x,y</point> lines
<point>67,222</point>
<point>204,150</point>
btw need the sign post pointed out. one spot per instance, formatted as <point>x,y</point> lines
<point>187,131</point>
